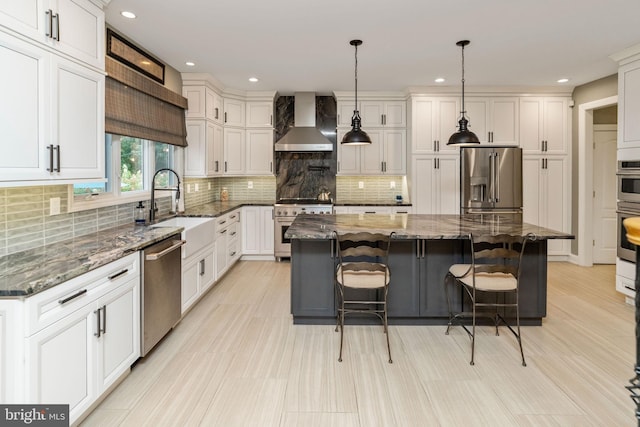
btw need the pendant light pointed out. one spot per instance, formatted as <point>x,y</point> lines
<point>463,136</point>
<point>356,136</point>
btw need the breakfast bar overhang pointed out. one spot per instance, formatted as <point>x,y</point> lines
<point>422,250</point>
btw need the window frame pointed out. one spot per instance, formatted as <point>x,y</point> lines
<point>115,196</point>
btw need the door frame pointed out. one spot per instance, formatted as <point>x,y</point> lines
<point>585,180</point>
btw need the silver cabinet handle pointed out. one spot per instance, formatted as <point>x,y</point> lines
<point>216,113</point>
<point>157,255</point>
<point>435,145</point>
<point>233,233</point>
<point>57,148</point>
<point>118,274</point>
<point>49,22</point>
<point>223,231</point>
<point>222,222</point>
<point>217,166</point>
<point>104,319</point>
<point>74,296</point>
<point>56,18</point>
<point>98,330</point>
<point>225,117</point>
<point>50,148</point>
<point>496,159</point>
<point>232,253</point>
<point>202,266</point>
<point>270,166</point>
<point>225,164</point>
<point>434,164</point>
<point>271,119</point>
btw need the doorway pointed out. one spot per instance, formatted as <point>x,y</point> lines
<point>594,214</point>
<point>605,150</point>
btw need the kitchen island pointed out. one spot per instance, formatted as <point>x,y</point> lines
<point>423,248</point>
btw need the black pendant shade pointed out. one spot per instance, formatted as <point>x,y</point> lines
<point>463,135</point>
<point>356,136</point>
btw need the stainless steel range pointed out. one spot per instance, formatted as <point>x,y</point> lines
<point>285,211</point>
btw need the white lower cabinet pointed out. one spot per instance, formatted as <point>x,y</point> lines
<point>198,274</point>
<point>257,230</point>
<point>71,343</point>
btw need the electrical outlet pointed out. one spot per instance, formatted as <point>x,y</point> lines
<point>360,184</point>
<point>54,206</point>
<point>208,186</point>
<point>197,187</point>
<point>188,188</point>
<point>392,185</point>
<point>249,184</point>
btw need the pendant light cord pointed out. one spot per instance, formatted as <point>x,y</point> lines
<point>356,78</point>
<point>464,112</point>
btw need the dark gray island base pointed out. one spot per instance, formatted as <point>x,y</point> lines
<point>423,248</point>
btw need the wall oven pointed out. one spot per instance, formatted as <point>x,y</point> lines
<point>626,250</point>
<point>286,211</point>
<point>629,180</point>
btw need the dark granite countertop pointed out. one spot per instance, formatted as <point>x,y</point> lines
<point>371,203</point>
<point>417,226</point>
<point>26,273</point>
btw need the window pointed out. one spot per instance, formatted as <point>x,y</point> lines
<point>130,164</point>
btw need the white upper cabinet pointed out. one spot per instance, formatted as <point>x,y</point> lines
<point>234,151</point>
<point>629,105</point>
<point>234,112</point>
<point>544,125</point>
<point>374,113</point>
<point>259,114</point>
<point>493,119</point>
<point>204,154</point>
<point>259,152</point>
<point>74,27</point>
<point>214,105</point>
<point>54,124</point>
<point>433,121</point>
<point>386,154</point>
<point>203,103</point>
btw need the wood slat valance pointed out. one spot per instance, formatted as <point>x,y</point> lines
<point>136,106</point>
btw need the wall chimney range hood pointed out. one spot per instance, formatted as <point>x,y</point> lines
<point>303,136</point>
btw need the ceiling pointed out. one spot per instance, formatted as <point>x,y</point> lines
<point>298,45</point>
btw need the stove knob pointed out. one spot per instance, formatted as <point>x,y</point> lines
<point>294,213</point>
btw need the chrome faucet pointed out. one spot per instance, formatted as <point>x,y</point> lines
<point>154,209</point>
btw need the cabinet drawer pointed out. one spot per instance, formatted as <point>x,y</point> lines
<point>233,251</point>
<point>232,231</point>
<point>51,305</point>
<point>234,216</point>
<point>222,222</point>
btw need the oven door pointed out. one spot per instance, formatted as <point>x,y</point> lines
<point>282,245</point>
<point>629,187</point>
<point>626,250</point>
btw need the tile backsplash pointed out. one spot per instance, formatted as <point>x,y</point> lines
<point>374,188</point>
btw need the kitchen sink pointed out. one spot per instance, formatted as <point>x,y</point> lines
<point>198,232</point>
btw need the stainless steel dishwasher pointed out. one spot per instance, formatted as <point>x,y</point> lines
<point>161,291</point>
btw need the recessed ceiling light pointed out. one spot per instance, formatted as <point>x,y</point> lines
<point>253,79</point>
<point>439,80</point>
<point>190,64</point>
<point>563,80</point>
<point>128,14</point>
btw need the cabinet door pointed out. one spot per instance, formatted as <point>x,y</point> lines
<point>447,188</point>
<point>312,278</point>
<point>556,201</point>
<point>395,114</point>
<point>404,295</point>
<point>215,149</point>
<point>629,105</point>
<point>251,230</point>
<point>348,157</point>
<point>221,252</point>
<point>206,270</point>
<point>197,99</point>
<point>233,112</point>
<point>555,125</point>
<point>259,114</point>
<point>395,152</point>
<point>24,121</point>
<point>478,115</point>
<point>531,167</point>
<point>503,121</point>
<point>189,289</point>
<point>439,255</point>
<point>27,17</point>
<point>448,114</point>
<point>196,152</point>
<point>267,232</point>
<point>81,31</point>
<point>371,113</point>
<point>63,354</point>
<point>233,151</point>
<point>119,343</point>
<point>371,156</point>
<point>77,114</point>
<point>345,113</point>
<point>423,185</point>
<point>531,122</point>
<point>259,152</point>
<point>423,125</point>
<point>213,106</point>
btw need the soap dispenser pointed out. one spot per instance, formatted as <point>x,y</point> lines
<point>140,214</point>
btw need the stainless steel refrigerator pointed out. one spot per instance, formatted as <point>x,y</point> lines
<point>491,179</point>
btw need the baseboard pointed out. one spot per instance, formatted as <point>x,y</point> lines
<point>258,258</point>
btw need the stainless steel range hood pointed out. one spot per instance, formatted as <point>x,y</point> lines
<point>303,136</point>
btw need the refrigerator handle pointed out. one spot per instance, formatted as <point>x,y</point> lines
<point>496,179</point>
<point>492,175</point>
